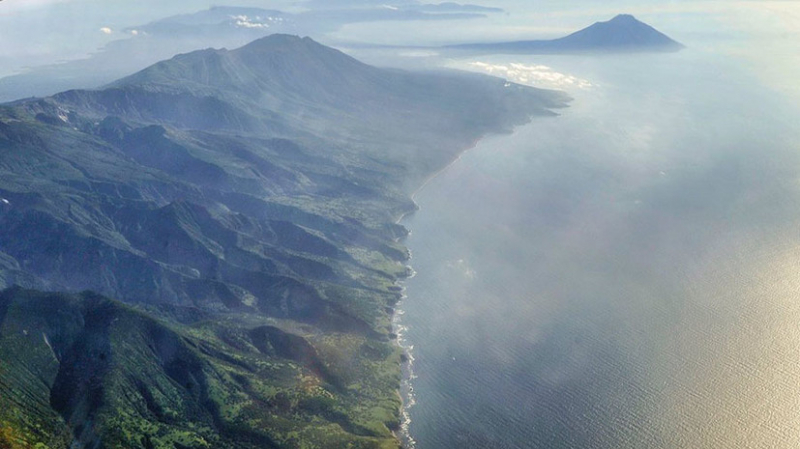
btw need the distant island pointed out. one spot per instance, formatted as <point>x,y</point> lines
<point>622,34</point>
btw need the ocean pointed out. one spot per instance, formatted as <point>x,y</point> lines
<point>624,275</point>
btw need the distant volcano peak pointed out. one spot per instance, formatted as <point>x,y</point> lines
<point>623,33</point>
<point>624,18</point>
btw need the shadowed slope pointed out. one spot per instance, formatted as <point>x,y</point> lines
<point>87,369</point>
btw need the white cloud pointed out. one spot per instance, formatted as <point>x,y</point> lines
<point>106,30</point>
<point>244,21</point>
<point>537,75</point>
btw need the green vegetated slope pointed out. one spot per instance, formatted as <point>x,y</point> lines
<point>241,205</point>
<point>88,369</point>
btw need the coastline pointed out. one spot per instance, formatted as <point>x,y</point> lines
<point>406,388</point>
<point>458,157</point>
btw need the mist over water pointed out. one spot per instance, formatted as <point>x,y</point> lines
<point>624,275</point>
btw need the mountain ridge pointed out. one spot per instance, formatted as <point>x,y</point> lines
<point>285,85</point>
<point>281,53</point>
<point>245,227</point>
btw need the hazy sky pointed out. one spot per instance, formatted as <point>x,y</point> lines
<point>35,32</point>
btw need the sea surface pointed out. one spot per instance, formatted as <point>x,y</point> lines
<point>625,275</point>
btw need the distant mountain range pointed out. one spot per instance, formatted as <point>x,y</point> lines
<point>219,26</point>
<point>241,205</point>
<point>623,33</point>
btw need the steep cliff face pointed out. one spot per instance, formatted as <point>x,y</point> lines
<point>247,200</point>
